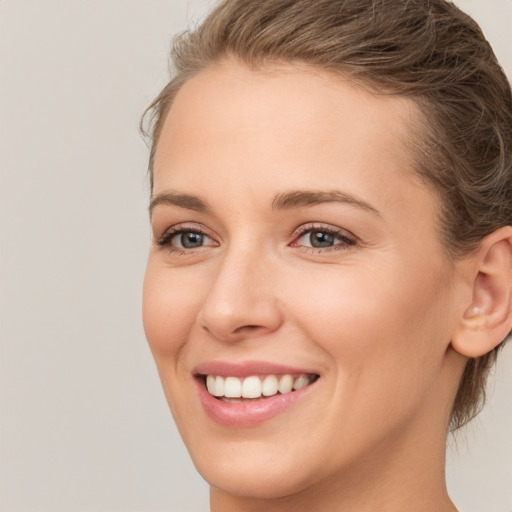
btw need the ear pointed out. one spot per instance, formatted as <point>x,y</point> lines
<point>488,319</point>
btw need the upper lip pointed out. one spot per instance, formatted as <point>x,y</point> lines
<point>247,368</point>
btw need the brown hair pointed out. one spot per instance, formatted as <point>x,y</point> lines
<point>425,49</point>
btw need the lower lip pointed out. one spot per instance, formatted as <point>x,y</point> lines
<point>246,414</point>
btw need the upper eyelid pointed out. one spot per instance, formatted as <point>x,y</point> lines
<point>319,226</point>
<point>187,226</point>
<point>166,236</point>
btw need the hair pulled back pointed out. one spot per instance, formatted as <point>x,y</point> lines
<point>427,50</point>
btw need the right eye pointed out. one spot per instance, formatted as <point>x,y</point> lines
<point>185,239</point>
<point>188,240</point>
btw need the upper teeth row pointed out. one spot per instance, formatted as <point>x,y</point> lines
<point>254,387</point>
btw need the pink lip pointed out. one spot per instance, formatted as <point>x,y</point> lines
<point>246,414</point>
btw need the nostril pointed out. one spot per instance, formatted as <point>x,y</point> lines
<point>246,328</point>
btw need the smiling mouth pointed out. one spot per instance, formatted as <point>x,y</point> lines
<point>236,390</point>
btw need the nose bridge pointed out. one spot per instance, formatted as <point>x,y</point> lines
<point>241,301</point>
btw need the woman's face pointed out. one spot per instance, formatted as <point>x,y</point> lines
<point>293,243</point>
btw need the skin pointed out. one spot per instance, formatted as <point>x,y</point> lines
<point>373,318</point>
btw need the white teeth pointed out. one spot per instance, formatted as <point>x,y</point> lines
<point>251,388</point>
<point>210,385</point>
<point>215,385</point>
<point>219,386</point>
<point>269,385</point>
<point>300,382</point>
<point>233,389</point>
<point>285,384</point>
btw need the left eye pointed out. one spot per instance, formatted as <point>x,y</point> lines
<point>321,239</point>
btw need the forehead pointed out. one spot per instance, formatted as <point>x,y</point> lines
<point>282,106</point>
<point>283,122</point>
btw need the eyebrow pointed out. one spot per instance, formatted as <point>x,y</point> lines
<point>186,201</point>
<point>283,201</point>
<point>304,198</point>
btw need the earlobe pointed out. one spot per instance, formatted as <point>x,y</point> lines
<point>488,319</point>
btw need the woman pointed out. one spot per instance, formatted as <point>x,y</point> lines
<point>331,270</point>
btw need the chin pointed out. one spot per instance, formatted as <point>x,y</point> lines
<point>252,468</point>
<point>254,480</point>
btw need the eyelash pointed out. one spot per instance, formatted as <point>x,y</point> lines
<point>166,239</point>
<point>347,239</point>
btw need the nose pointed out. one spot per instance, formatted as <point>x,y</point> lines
<point>241,302</point>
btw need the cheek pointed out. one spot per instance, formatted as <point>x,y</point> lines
<point>378,324</point>
<point>169,309</point>
<point>169,312</point>
<point>386,342</point>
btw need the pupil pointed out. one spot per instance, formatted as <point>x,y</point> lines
<point>191,240</point>
<point>321,239</point>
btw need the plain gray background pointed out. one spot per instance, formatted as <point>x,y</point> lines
<point>83,422</point>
